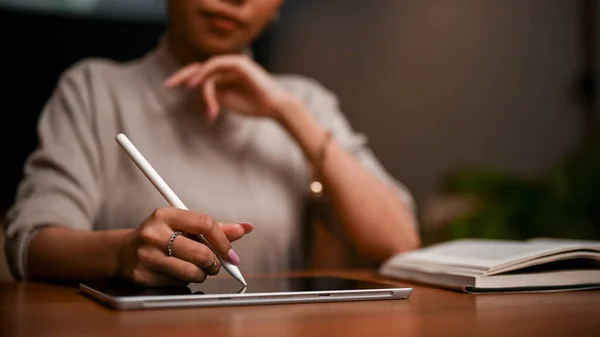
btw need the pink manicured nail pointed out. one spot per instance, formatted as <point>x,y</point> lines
<point>233,257</point>
<point>248,227</point>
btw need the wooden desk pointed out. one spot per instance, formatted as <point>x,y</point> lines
<point>31,309</point>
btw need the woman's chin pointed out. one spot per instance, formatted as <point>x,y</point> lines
<point>218,46</point>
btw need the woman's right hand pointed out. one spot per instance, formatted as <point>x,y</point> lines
<point>143,259</point>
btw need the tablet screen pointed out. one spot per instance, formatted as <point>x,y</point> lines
<point>223,285</point>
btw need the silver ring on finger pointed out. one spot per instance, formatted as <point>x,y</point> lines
<point>170,244</point>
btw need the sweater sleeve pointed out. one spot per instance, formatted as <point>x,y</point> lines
<point>62,181</point>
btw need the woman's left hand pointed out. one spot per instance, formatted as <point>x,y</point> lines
<point>233,82</point>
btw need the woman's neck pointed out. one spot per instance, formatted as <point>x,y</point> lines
<point>181,52</point>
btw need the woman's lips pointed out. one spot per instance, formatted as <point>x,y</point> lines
<point>222,22</point>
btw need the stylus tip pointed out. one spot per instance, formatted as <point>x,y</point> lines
<point>242,281</point>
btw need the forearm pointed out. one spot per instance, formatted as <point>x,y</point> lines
<point>374,217</point>
<point>376,220</point>
<point>61,253</point>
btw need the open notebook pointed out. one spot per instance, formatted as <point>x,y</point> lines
<point>478,265</point>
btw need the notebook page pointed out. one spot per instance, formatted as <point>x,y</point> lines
<point>478,253</point>
<point>585,244</point>
<point>547,247</point>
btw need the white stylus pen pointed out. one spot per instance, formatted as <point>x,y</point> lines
<point>170,196</point>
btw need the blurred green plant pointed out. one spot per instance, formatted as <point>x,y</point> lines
<point>564,204</point>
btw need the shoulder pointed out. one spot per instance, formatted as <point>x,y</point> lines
<point>84,91</point>
<point>320,100</point>
<point>311,91</point>
<point>89,71</point>
<point>89,83</point>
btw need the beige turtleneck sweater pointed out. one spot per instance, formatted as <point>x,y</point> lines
<point>239,169</point>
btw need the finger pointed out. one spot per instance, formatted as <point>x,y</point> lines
<point>195,252</point>
<point>209,91</point>
<point>234,232</point>
<point>199,224</point>
<point>227,63</point>
<point>180,269</point>
<point>156,260</point>
<point>147,278</point>
<point>158,237</point>
<point>214,267</point>
<point>221,77</point>
<point>210,98</point>
<point>182,75</point>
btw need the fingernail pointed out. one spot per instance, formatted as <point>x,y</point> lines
<point>233,257</point>
<point>248,227</point>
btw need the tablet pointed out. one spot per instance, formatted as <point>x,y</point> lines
<point>221,291</point>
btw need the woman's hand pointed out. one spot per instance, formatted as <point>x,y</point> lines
<point>144,260</point>
<point>233,82</point>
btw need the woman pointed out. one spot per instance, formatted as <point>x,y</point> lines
<point>233,142</point>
